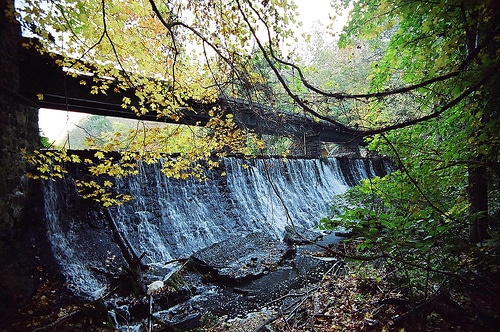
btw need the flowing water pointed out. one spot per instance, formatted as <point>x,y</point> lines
<point>170,219</point>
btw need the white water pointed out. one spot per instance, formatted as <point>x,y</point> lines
<point>171,219</point>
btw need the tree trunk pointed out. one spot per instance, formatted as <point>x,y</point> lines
<point>478,199</point>
<point>133,260</point>
<point>478,184</point>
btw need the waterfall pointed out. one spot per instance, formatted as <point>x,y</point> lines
<point>169,219</point>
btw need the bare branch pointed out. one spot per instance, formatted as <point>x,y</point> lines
<point>280,78</point>
<point>491,72</point>
<point>270,56</point>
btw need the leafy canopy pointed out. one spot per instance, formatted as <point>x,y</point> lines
<point>169,54</point>
<point>433,107</point>
<point>424,92</point>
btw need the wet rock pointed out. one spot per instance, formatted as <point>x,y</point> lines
<point>190,322</point>
<point>183,318</point>
<point>242,291</point>
<point>171,298</point>
<point>300,235</point>
<point>239,259</point>
<point>344,233</point>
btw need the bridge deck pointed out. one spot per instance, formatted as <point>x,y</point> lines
<point>41,75</point>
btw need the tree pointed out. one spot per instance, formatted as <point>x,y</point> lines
<point>452,47</point>
<point>135,41</point>
<point>430,101</point>
<point>441,59</point>
<point>444,140</point>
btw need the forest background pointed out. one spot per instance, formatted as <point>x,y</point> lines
<point>417,79</point>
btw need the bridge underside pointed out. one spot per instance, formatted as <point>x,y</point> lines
<point>41,75</point>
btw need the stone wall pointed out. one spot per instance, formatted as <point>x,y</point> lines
<point>20,226</point>
<point>18,130</point>
<point>18,123</point>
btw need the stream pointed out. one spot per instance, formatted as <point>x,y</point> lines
<point>291,277</point>
<point>171,220</point>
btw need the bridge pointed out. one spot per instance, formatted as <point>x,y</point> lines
<point>41,75</point>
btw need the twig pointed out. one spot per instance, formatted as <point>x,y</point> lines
<point>58,321</point>
<point>288,311</point>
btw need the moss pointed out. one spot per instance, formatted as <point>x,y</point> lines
<point>175,281</point>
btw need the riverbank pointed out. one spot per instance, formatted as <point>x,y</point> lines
<point>348,296</point>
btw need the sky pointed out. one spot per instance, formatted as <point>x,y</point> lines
<point>317,10</point>
<point>56,124</point>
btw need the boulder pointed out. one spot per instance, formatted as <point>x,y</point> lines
<point>299,235</point>
<point>239,259</point>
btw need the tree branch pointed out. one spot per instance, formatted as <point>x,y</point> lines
<point>280,78</point>
<point>492,71</point>
<point>269,55</point>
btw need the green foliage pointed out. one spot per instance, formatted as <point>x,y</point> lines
<point>452,47</point>
<point>393,222</point>
<point>418,218</point>
<point>44,142</point>
<point>194,51</point>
